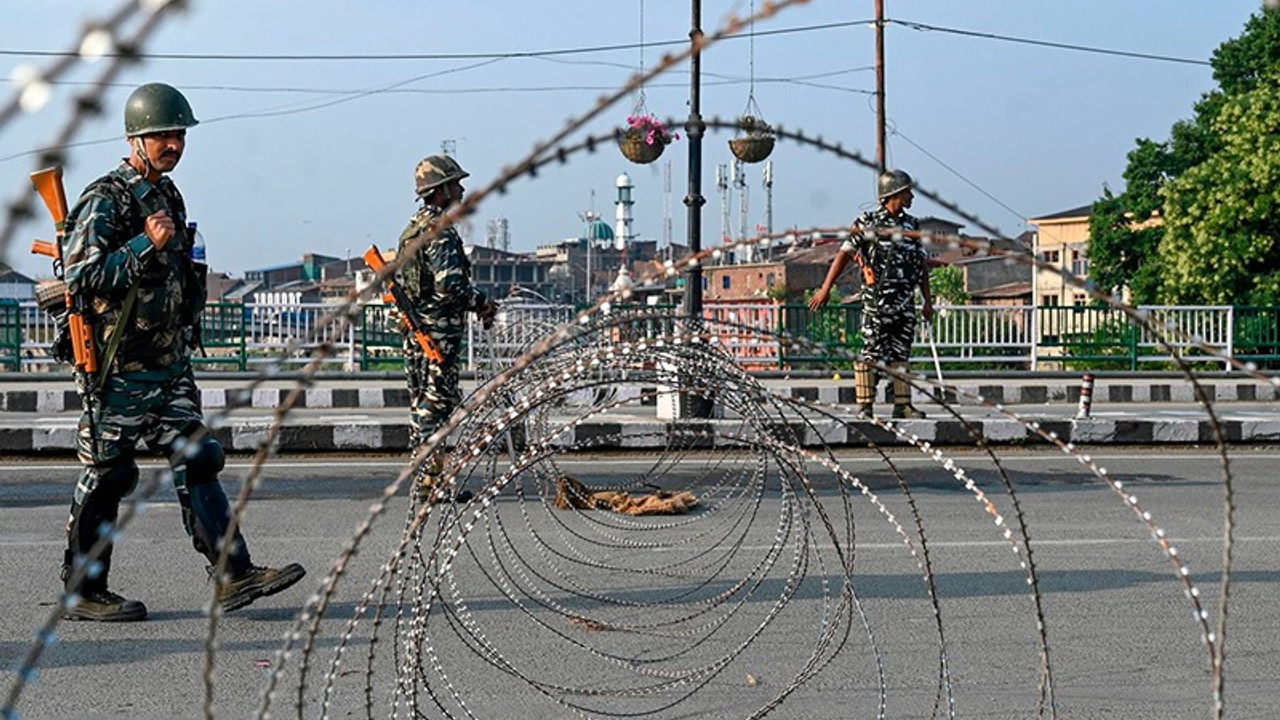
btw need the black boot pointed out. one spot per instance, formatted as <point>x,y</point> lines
<point>102,605</point>
<point>94,601</point>
<point>904,411</point>
<point>256,582</point>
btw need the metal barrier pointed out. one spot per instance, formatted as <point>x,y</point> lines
<point>10,334</point>
<point>1102,337</point>
<point>760,335</point>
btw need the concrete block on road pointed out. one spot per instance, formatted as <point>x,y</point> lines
<point>1259,430</point>
<point>1175,431</point>
<point>1093,430</point>
<point>248,437</point>
<point>57,438</point>
<point>1002,430</point>
<point>358,436</point>
<point>826,431</point>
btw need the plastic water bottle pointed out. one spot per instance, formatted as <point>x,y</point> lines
<point>197,244</point>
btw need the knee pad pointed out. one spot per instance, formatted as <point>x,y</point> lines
<point>118,479</point>
<point>205,464</point>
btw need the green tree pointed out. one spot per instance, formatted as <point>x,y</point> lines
<point>1222,217</point>
<point>1125,250</point>
<point>1121,247</point>
<point>946,282</point>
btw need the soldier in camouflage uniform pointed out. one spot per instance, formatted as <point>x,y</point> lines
<point>437,278</point>
<point>128,253</point>
<point>893,266</point>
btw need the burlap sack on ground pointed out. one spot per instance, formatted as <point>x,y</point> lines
<point>571,493</point>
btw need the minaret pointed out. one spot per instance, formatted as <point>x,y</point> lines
<point>622,230</point>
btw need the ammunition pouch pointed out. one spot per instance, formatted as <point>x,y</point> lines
<point>51,297</point>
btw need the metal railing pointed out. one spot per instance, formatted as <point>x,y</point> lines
<point>759,335</point>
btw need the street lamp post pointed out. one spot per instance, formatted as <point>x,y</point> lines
<point>695,128</point>
<point>696,403</point>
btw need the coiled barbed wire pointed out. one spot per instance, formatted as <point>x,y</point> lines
<point>418,570</point>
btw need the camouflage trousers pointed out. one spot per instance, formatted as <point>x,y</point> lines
<point>888,333</point>
<point>158,407</point>
<point>434,391</point>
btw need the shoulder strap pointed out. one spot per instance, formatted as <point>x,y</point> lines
<point>114,343</point>
<point>147,194</point>
<point>149,198</point>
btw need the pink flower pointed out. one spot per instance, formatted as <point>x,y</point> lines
<point>655,131</point>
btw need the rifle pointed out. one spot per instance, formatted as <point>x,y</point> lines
<point>48,183</point>
<point>395,294</point>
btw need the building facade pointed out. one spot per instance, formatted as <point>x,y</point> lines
<point>1062,242</point>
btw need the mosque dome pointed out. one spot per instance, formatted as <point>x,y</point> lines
<point>598,230</point>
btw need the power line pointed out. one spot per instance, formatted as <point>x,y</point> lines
<point>427,56</point>
<point>802,80</point>
<point>1022,218</point>
<point>398,88</point>
<point>591,49</point>
<point>1045,43</point>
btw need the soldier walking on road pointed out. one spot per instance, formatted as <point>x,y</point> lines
<point>128,252</point>
<point>437,278</point>
<point>893,266</point>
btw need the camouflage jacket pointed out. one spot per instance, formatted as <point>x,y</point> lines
<point>898,265</point>
<point>438,276</point>
<point>107,252</point>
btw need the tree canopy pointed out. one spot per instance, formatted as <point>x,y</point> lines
<point>1222,217</point>
<point>1209,184</point>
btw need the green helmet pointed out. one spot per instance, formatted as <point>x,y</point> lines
<point>436,170</point>
<point>156,107</point>
<point>893,182</point>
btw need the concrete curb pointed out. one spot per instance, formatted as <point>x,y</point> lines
<point>630,433</point>
<point>64,399</point>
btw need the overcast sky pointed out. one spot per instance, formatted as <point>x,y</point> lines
<point>1007,130</point>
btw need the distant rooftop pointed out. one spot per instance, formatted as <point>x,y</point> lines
<point>1083,211</point>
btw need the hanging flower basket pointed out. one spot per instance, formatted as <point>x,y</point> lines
<point>756,142</point>
<point>633,146</point>
<point>644,139</point>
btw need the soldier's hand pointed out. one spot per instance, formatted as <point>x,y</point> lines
<point>159,229</point>
<point>819,298</point>
<point>487,313</point>
<point>927,312</point>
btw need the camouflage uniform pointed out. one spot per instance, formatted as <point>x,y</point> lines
<point>888,304</point>
<point>437,279</point>
<point>150,392</point>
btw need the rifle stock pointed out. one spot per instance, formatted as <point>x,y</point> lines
<point>373,258</point>
<point>46,248</point>
<point>48,183</point>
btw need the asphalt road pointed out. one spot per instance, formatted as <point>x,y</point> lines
<point>1122,637</point>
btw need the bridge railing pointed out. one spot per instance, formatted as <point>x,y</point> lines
<point>241,336</point>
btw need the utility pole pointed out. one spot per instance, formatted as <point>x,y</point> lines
<point>880,121</point>
<point>666,207</point>
<point>722,184</point>
<point>744,231</point>
<point>695,128</point>
<point>768,202</point>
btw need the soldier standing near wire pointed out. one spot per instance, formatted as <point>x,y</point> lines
<point>437,278</point>
<point>893,266</point>
<point>128,252</point>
